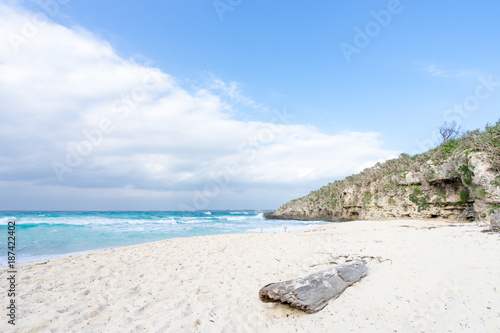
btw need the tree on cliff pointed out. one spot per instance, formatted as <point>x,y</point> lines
<point>450,131</point>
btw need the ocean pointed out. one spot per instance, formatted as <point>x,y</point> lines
<point>44,235</point>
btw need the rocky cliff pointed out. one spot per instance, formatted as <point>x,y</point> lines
<point>459,180</point>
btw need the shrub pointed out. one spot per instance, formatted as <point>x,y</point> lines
<point>496,182</point>
<point>467,174</point>
<point>464,196</point>
<point>450,145</point>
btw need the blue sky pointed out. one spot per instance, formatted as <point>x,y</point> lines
<point>222,76</point>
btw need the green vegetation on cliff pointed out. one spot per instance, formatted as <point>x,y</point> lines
<point>459,179</point>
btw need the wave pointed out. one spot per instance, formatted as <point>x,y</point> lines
<point>124,218</point>
<point>5,220</point>
<point>205,220</point>
<point>237,218</point>
<point>92,221</point>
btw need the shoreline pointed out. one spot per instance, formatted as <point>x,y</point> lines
<point>77,253</point>
<point>46,236</point>
<point>211,283</point>
<point>298,229</point>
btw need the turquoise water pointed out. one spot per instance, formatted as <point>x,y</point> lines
<point>42,235</point>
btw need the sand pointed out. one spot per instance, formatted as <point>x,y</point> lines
<point>426,276</point>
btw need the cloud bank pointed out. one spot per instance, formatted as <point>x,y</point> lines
<point>82,126</point>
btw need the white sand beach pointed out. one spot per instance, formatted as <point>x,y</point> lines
<point>427,276</point>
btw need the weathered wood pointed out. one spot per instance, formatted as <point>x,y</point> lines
<point>312,293</point>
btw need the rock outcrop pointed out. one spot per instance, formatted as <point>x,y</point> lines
<point>446,183</point>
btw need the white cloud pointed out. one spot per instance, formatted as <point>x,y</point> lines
<point>159,137</point>
<point>435,70</point>
<point>231,90</point>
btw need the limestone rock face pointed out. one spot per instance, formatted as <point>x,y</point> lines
<point>463,188</point>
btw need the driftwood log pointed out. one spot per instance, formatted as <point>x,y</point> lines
<point>312,293</point>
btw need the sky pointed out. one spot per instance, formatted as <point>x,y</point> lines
<point>229,104</point>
